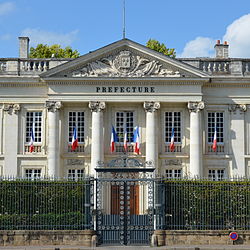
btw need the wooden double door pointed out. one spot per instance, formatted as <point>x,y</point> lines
<point>125,197</point>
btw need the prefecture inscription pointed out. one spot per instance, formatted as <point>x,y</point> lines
<point>125,89</point>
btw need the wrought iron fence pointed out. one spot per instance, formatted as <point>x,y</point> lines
<point>45,204</point>
<point>203,204</point>
<point>178,204</point>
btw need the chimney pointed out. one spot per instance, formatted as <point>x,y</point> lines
<point>24,47</point>
<point>221,50</point>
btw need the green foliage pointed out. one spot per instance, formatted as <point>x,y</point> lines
<point>45,51</point>
<point>205,205</point>
<point>44,204</point>
<point>160,47</point>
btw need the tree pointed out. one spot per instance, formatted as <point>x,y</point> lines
<point>160,47</point>
<point>45,51</point>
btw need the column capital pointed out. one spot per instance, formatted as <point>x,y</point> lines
<point>151,106</point>
<point>97,106</point>
<point>195,106</point>
<point>240,107</point>
<point>11,108</point>
<point>53,106</point>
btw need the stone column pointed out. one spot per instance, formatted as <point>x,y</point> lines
<point>97,147</point>
<point>237,113</point>
<point>53,138</point>
<point>196,161</point>
<point>11,139</point>
<point>152,132</point>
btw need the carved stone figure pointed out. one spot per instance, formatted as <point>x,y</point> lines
<point>125,64</point>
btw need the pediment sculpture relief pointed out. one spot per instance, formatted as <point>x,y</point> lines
<point>125,65</point>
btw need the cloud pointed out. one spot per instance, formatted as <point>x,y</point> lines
<point>237,35</point>
<point>200,47</point>
<point>47,37</point>
<point>6,8</point>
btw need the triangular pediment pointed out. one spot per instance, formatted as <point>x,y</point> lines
<point>124,58</point>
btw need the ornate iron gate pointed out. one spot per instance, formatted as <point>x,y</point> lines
<point>124,203</point>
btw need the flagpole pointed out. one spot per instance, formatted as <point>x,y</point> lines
<point>124,20</point>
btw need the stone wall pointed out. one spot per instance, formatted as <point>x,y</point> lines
<point>47,237</point>
<point>202,237</point>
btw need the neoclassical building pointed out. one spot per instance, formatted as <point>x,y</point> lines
<point>125,85</point>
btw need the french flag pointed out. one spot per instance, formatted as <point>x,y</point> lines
<point>214,147</point>
<point>125,142</point>
<point>172,147</point>
<point>32,139</point>
<point>114,139</point>
<point>74,142</point>
<point>137,140</point>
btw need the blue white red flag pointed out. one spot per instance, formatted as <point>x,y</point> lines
<point>125,141</point>
<point>172,146</point>
<point>74,142</point>
<point>114,139</point>
<point>32,138</point>
<point>214,147</point>
<point>136,140</point>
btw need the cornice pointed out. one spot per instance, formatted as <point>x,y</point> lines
<point>129,81</point>
<point>228,83</point>
<point>16,84</point>
<point>21,82</point>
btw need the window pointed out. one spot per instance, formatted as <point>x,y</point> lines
<point>76,119</point>
<point>173,120</point>
<point>215,120</point>
<point>173,173</point>
<point>33,173</point>
<point>216,174</point>
<point>75,174</point>
<point>36,119</point>
<point>124,122</point>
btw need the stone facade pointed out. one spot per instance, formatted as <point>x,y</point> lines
<point>195,96</point>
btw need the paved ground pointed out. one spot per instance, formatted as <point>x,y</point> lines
<point>214,247</point>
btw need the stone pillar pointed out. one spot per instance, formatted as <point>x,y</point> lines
<point>97,147</point>
<point>237,112</point>
<point>152,132</point>
<point>53,138</point>
<point>11,139</point>
<point>196,161</point>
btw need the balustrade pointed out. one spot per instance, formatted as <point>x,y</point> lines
<point>211,66</point>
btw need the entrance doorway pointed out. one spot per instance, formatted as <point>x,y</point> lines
<point>133,202</point>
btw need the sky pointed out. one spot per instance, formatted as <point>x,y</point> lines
<point>190,26</point>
